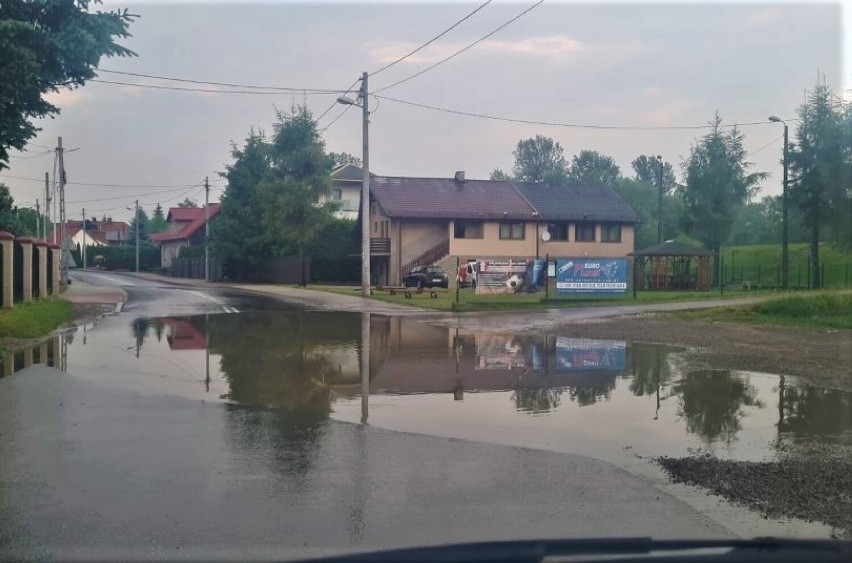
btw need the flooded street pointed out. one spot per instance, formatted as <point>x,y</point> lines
<point>604,399</point>
<point>270,410</point>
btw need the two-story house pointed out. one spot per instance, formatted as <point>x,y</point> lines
<point>418,221</point>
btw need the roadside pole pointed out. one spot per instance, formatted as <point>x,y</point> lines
<point>83,248</point>
<point>63,253</point>
<point>47,199</point>
<point>206,230</point>
<point>365,189</point>
<point>137,236</point>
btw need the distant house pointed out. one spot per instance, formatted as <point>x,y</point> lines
<point>346,190</point>
<point>106,231</point>
<point>89,238</point>
<point>185,229</point>
<point>420,221</point>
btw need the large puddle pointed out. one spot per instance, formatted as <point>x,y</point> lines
<point>607,399</point>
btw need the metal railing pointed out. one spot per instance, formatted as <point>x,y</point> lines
<point>429,257</point>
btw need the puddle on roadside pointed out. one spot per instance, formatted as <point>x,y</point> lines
<point>605,399</point>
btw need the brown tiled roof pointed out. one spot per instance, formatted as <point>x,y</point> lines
<point>578,203</point>
<point>198,217</point>
<point>445,198</point>
<point>183,213</point>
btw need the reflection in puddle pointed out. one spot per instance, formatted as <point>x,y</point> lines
<point>593,397</point>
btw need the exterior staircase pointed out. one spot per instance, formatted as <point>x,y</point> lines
<point>435,254</point>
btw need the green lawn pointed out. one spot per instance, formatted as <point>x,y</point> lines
<point>35,319</point>
<point>761,263</point>
<point>820,309</point>
<point>469,301</point>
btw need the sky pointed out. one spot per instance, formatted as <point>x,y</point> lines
<point>626,64</point>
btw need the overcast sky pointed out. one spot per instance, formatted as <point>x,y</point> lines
<point>598,64</point>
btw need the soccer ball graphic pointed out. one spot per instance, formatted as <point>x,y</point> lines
<point>515,281</point>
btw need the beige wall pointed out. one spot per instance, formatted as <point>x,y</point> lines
<point>592,249</point>
<point>491,245</point>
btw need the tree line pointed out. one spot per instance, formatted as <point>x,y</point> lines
<point>716,201</point>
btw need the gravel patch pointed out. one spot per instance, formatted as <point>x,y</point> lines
<point>816,486</point>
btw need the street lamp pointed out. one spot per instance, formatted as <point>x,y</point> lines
<point>784,231</point>
<point>365,183</point>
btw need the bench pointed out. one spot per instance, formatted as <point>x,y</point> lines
<point>408,291</point>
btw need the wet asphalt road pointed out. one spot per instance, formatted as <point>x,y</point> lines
<point>89,470</point>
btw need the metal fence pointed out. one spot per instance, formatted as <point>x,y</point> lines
<point>193,268</point>
<point>832,276</point>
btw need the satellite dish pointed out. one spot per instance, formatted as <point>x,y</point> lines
<point>545,236</point>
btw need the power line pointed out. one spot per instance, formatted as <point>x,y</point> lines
<point>334,103</point>
<point>214,91</point>
<point>770,143</point>
<point>228,84</point>
<point>463,49</point>
<point>423,46</point>
<point>568,125</point>
<point>333,121</point>
<point>38,155</point>
<point>102,185</point>
<point>128,196</point>
<point>131,198</point>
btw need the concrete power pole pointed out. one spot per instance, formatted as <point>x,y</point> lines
<point>206,230</point>
<point>47,199</point>
<point>38,218</point>
<point>83,252</point>
<point>63,253</point>
<point>365,191</point>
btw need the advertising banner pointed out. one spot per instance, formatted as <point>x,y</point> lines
<point>509,276</point>
<point>591,275</point>
<point>580,354</point>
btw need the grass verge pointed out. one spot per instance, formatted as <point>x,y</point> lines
<point>35,319</point>
<point>823,309</point>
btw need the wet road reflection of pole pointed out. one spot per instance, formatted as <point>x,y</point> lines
<point>206,353</point>
<point>365,367</point>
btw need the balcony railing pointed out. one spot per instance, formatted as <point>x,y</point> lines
<point>379,246</point>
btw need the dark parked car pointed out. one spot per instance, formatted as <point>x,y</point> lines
<point>426,276</point>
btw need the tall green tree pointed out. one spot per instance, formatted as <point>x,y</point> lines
<point>540,160</point>
<point>158,223</point>
<point>821,167</point>
<point>20,221</point>
<point>46,46</point>
<point>239,237</point>
<point>592,168</point>
<point>647,169</point>
<point>643,198</point>
<point>139,221</point>
<point>717,183</point>
<point>298,180</point>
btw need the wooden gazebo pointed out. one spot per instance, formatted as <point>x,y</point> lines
<point>672,265</point>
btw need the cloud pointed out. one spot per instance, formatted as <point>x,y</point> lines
<point>552,45</point>
<point>67,98</point>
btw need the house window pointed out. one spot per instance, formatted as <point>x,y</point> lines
<point>337,194</point>
<point>467,229</point>
<point>584,232</point>
<point>375,226</point>
<point>558,231</point>
<point>610,233</point>
<point>512,231</point>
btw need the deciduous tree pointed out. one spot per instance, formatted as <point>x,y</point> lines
<point>647,169</point>
<point>47,46</point>
<point>540,160</point>
<point>592,168</point>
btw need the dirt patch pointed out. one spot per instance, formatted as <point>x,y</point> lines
<point>823,357</point>
<point>809,487</point>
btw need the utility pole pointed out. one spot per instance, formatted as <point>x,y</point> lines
<point>784,206</point>
<point>660,199</point>
<point>206,230</point>
<point>83,253</point>
<point>365,190</point>
<point>38,218</point>
<point>47,199</point>
<point>137,236</point>
<point>63,253</point>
